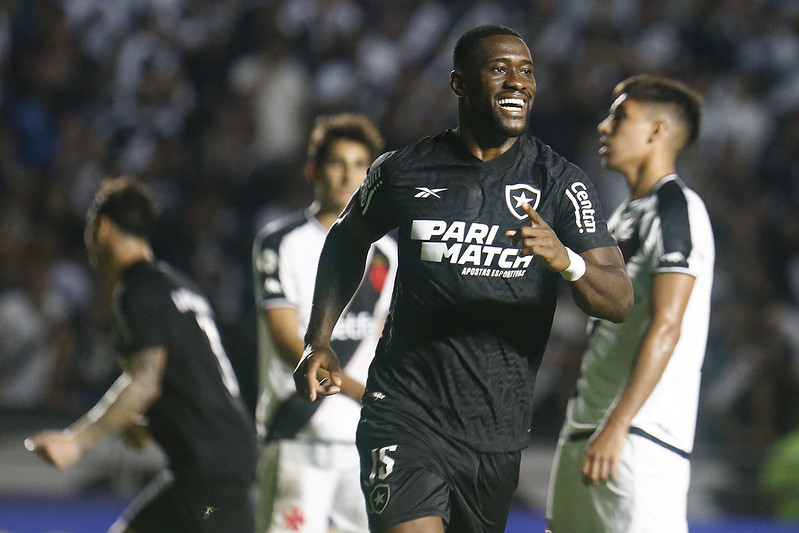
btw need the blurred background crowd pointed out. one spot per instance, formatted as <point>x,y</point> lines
<point>211,102</point>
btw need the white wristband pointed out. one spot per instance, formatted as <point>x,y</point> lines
<point>576,267</point>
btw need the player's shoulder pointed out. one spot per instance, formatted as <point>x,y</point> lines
<point>547,159</point>
<point>276,230</point>
<point>151,281</point>
<point>674,194</point>
<point>411,155</point>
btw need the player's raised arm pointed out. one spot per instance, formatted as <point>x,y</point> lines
<point>341,267</point>
<point>597,278</point>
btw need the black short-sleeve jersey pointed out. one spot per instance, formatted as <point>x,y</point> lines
<point>470,318</point>
<point>199,420</point>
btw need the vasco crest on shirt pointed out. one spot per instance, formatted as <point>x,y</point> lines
<point>519,194</point>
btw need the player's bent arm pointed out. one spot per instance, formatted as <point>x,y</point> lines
<point>341,268</point>
<point>121,405</point>
<point>283,324</point>
<point>128,398</point>
<point>670,294</point>
<point>605,290</point>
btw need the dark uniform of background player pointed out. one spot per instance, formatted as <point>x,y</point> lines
<point>176,373</point>
<point>448,400</point>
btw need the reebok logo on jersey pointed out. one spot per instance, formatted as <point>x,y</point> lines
<point>584,213</point>
<point>518,195</point>
<point>425,192</point>
<point>469,244</point>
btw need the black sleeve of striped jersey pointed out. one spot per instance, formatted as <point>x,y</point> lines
<point>674,226</point>
<point>266,267</point>
<point>143,315</point>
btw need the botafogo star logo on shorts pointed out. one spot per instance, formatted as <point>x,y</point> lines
<point>519,194</point>
<point>379,497</point>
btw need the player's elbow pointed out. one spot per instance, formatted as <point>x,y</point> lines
<point>624,305</point>
<point>618,305</point>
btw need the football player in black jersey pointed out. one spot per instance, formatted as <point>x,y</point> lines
<point>488,219</point>
<point>177,384</point>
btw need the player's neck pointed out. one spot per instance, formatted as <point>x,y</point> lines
<point>642,180</point>
<point>483,148</point>
<point>326,217</point>
<point>128,252</point>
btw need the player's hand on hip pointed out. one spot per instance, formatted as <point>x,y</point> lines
<point>537,238</point>
<point>59,448</point>
<point>317,372</point>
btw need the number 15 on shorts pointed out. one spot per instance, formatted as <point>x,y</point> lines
<point>382,463</point>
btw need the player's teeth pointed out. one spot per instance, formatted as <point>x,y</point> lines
<point>514,102</point>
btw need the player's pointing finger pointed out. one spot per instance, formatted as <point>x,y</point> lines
<point>535,218</point>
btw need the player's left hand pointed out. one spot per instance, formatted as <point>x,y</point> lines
<point>539,239</point>
<point>603,454</point>
<point>59,448</point>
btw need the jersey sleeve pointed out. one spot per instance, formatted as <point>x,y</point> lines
<point>581,224</point>
<point>374,197</point>
<point>142,316</point>
<point>268,272</point>
<point>675,250</point>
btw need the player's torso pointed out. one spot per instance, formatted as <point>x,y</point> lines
<point>453,213</point>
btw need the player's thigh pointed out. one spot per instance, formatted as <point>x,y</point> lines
<point>296,483</point>
<point>155,509</point>
<point>348,514</point>
<point>400,478</point>
<point>570,503</point>
<point>660,490</point>
<point>482,488</point>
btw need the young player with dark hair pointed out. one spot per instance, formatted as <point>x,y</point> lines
<point>177,384</point>
<point>622,461</point>
<point>489,218</point>
<point>308,473</point>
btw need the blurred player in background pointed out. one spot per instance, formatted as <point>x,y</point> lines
<point>309,468</point>
<point>622,462</point>
<point>485,213</point>
<point>177,383</point>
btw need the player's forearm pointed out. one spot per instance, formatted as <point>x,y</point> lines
<point>604,291</point>
<point>122,404</point>
<point>352,388</point>
<point>341,267</point>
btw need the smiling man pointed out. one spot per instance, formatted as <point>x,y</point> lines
<point>488,219</point>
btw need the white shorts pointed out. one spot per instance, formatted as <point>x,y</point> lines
<point>307,487</point>
<point>649,493</point>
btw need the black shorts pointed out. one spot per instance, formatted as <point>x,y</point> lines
<point>409,471</point>
<point>176,505</point>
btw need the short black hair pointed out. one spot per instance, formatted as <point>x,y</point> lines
<point>468,42</point>
<point>685,103</point>
<point>129,204</point>
<point>351,126</point>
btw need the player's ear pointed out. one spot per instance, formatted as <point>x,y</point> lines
<point>104,226</point>
<point>660,129</point>
<point>310,172</point>
<point>456,83</point>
